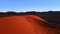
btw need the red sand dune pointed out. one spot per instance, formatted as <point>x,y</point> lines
<point>26,24</point>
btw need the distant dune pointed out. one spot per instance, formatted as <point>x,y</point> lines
<point>26,24</point>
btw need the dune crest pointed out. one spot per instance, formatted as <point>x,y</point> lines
<point>26,24</point>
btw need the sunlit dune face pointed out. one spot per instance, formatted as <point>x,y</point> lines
<point>26,24</point>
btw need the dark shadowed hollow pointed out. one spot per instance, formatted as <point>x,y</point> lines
<point>29,23</point>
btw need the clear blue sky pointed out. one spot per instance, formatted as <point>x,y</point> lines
<point>27,5</point>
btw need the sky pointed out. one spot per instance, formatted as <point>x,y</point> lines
<point>29,5</point>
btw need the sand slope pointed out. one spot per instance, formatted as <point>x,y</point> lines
<point>26,24</point>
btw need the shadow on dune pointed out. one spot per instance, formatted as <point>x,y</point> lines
<point>26,23</point>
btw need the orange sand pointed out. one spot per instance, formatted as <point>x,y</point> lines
<point>26,24</point>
